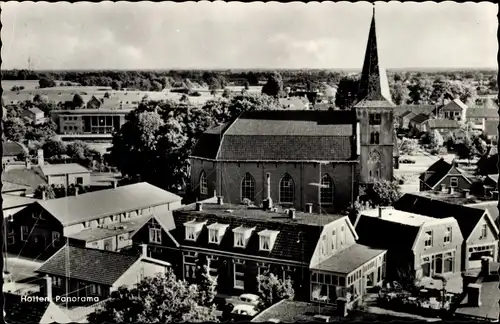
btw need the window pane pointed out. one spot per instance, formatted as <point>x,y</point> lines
<point>248,187</point>
<point>287,189</point>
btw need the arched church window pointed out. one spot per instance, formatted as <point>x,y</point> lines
<point>203,183</point>
<point>326,190</point>
<point>374,138</point>
<point>287,189</point>
<point>248,187</point>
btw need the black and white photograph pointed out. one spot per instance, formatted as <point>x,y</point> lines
<point>249,162</point>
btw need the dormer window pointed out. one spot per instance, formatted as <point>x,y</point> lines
<point>267,239</point>
<point>193,229</point>
<point>241,236</point>
<point>216,232</point>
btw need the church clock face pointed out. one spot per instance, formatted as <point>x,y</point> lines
<point>374,157</point>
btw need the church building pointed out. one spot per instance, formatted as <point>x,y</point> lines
<point>298,159</point>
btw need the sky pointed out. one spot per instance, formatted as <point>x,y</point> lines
<point>204,35</point>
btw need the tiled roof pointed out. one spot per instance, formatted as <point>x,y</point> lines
<point>349,259</point>
<point>490,206</point>
<point>436,172</point>
<point>25,177</point>
<point>90,265</point>
<point>482,113</point>
<point>404,235</point>
<point>296,241</point>
<point>467,217</point>
<point>443,123</point>
<point>12,148</point>
<point>282,135</point>
<point>420,118</point>
<point>416,109</point>
<point>18,312</point>
<point>93,205</point>
<point>60,169</point>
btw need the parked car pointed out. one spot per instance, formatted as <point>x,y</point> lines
<point>407,161</point>
<point>250,299</point>
<point>245,310</point>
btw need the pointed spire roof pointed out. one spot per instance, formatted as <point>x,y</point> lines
<point>373,86</point>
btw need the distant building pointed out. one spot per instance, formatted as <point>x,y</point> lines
<point>443,126</point>
<point>65,174</point>
<point>453,110</point>
<point>478,117</point>
<point>444,176</point>
<point>417,121</point>
<point>34,115</point>
<point>12,151</point>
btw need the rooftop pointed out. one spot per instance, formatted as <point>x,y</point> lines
<point>443,123</point>
<point>489,308</point>
<point>349,259</point>
<point>24,177</point>
<point>97,204</point>
<point>96,266</point>
<point>12,148</point>
<point>482,113</point>
<point>399,216</point>
<point>490,206</point>
<point>9,187</point>
<point>11,201</point>
<point>58,169</point>
<point>94,234</point>
<point>258,214</point>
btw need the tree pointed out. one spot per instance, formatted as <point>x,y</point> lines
<point>400,93</point>
<point>274,85</point>
<point>420,92</point>
<point>272,289</point>
<point>408,146</point>
<point>226,93</point>
<point>14,129</point>
<point>465,149</point>
<point>115,85</point>
<point>246,85</point>
<point>162,299</point>
<point>480,146</point>
<point>383,192</point>
<point>156,86</point>
<point>79,150</point>
<point>38,98</point>
<point>435,139</point>
<point>78,101</point>
<point>107,95</point>
<point>53,148</point>
<point>206,283</point>
<point>347,92</point>
<point>46,83</point>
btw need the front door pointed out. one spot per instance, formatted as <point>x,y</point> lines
<point>108,245</point>
<point>438,266</point>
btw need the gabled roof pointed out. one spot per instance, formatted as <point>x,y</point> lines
<point>91,265</point>
<point>298,135</point>
<point>437,171</point>
<point>467,217</point>
<point>482,113</point>
<point>296,241</point>
<point>420,118</point>
<point>416,109</point>
<point>455,104</point>
<point>97,204</point>
<point>25,177</point>
<point>373,85</point>
<point>443,123</point>
<point>63,169</point>
<point>12,148</point>
<point>349,259</point>
<point>35,110</point>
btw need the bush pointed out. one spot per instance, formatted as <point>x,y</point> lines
<point>195,94</point>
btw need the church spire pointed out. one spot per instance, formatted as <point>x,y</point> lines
<point>373,85</point>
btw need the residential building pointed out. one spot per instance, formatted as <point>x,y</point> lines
<point>490,206</point>
<point>95,273</point>
<point>478,228</point>
<point>453,110</point>
<point>65,174</point>
<point>480,295</point>
<point>487,164</point>
<point>23,176</point>
<point>101,219</point>
<point>34,115</point>
<point>403,121</point>
<point>298,150</point>
<point>418,245</point>
<point>12,151</point>
<point>417,122</point>
<point>403,110</point>
<point>12,205</point>
<point>443,126</point>
<point>294,103</point>
<point>318,252</point>
<point>444,176</point>
<point>477,117</point>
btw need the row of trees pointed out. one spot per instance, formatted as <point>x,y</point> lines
<point>166,299</point>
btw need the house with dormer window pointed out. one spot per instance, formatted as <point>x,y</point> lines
<point>242,242</point>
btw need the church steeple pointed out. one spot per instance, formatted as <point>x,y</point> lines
<point>373,85</point>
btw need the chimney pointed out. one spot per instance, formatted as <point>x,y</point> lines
<point>291,213</point>
<point>474,295</point>
<point>465,193</point>
<point>215,193</point>
<point>451,190</point>
<point>443,187</point>
<point>41,160</point>
<point>220,200</point>
<point>76,190</point>
<point>44,195</point>
<point>486,265</point>
<point>28,164</point>
<point>309,208</point>
<point>199,206</point>
<point>144,250</point>
<point>48,284</point>
<point>268,202</point>
<point>115,184</point>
